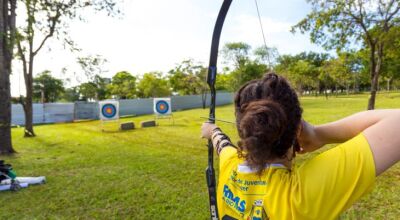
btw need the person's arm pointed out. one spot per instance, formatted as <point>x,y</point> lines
<point>215,134</point>
<point>380,127</point>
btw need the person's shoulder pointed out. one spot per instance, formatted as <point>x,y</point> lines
<point>228,155</point>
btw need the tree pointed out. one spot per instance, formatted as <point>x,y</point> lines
<point>96,89</point>
<point>341,70</point>
<point>71,94</point>
<point>46,88</point>
<point>48,18</point>
<point>153,85</point>
<point>123,85</point>
<point>245,69</point>
<point>266,55</point>
<point>7,39</point>
<point>101,87</point>
<point>88,91</point>
<point>237,53</point>
<point>391,61</point>
<point>248,71</point>
<point>304,74</point>
<point>336,24</point>
<point>92,66</point>
<point>223,83</point>
<point>303,71</point>
<point>188,78</point>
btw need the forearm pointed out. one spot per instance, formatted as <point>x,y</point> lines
<point>346,128</point>
<point>220,140</point>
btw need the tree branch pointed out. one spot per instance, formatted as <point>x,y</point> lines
<point>23,58</point>
<point>52,27</point>
<point>360,19</point>
<point>393,14</point>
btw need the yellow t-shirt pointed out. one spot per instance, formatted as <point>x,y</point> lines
<point>321,188</point>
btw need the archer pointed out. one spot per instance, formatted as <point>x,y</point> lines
<point>258,179</point>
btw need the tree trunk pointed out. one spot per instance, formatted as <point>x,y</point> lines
<point>374,85</point>
<point>336,90</point>
<point>374,70</point>
<point>28,107</point>
<point>7,28</point>
<point>5,106</point>
<point>326,94</point>
<point>388,82</point>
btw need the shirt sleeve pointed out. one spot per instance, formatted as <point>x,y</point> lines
<point>226,155</point>
<point>331,182</point>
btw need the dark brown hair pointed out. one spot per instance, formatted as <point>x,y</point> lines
<point>268,115</point>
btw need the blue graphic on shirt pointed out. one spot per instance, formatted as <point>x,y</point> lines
<point>234,201</point>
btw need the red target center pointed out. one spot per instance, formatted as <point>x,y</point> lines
<point>162,107</point>
<point>109,110</point>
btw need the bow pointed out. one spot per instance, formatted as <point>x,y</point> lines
<point>211,78</point>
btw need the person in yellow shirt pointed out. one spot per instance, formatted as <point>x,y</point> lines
<point>257,178</point>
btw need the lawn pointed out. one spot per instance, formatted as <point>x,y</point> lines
<point>152,173</point>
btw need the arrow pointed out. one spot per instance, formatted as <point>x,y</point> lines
<point>213,119</point>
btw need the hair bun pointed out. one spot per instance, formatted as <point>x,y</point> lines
<point>263,120</point>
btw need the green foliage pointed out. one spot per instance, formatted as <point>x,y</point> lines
<point>123,85</point>
<point>223,82</point>
<point>71,94</point>
<point>339,25</point>
<point>266,55</point>
<point>391,61</point>
<point>101,85</point>
<point>153,85</point>
<point>88,91</point>
<point>153,173</point>
<point>92,66</point>
<point>188,78</point>
<point>236,53</point>
<point>95,89</point>
<point>304,70</point>
<point>245,68</point>
<point>47,88</point>
<point>247,71</point>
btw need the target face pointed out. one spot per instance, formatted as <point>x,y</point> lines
<point>162,106</point>
<point>109,110</point>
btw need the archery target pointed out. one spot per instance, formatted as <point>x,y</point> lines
<point>162,106</point>
<point>109,110</point>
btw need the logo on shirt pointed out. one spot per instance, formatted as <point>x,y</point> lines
<point>257,211</point>
<point>234,201</point>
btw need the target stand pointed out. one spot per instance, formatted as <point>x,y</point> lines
<point>163,109</point>
<point>108,112</point>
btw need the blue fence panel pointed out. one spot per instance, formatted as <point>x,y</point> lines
<point>67,112</point>
<point>135,107</point>
<point>86,110</point>
<point>58,112</point>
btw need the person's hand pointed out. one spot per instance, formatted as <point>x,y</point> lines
<point>307,138</point>
<point>206,130</point>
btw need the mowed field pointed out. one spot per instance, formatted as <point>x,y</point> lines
<point>153,173</point>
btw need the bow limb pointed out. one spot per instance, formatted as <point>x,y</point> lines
<point>211,78</point>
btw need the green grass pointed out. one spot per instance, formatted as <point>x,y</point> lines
<point>153,173</point>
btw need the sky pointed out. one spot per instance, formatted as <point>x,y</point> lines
<point>156,35</point>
